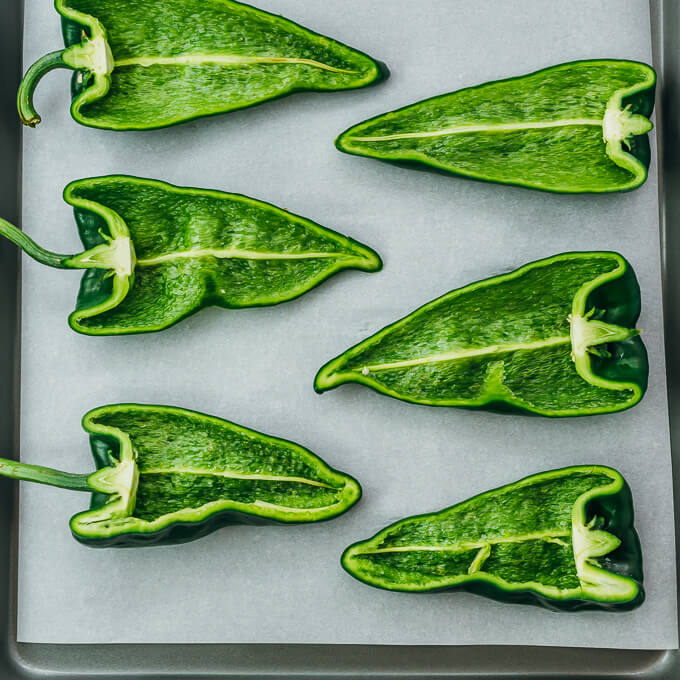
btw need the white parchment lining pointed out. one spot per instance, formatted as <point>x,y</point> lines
<point>256,367</point>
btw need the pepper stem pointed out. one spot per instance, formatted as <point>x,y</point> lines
<point>31,248</point>
<point>29,116</point>
<point>116,254</point>
<point>43,475</point>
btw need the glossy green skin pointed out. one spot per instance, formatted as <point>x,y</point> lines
<point>505,343</point>
<point>515,544</point>
<point>194,450</point>
<point>147,97</point>
<point>163,220</point>
<point>541,153</point>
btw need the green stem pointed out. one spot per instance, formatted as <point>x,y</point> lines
<point>44,65</point>
<point>31,248</point>
<point>43,475</point>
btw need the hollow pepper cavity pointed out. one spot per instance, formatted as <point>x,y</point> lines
<point>579,127</point>
<point>156,253</point>
<point>144,65</point>
<point>168,475</point>
<point>562,539</point>
<point>555,338</point>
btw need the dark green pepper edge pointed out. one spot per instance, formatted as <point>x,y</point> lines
<point>628,364</point>
<point>616,507</point>
<point>106,445</point>
<point>72,33</point>
<point>373,262</point>
<point>641,102</point>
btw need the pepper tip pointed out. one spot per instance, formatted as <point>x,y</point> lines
<point>32,122</point>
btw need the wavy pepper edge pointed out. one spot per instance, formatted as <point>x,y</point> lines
<point>599,589</point>
<point>117,253</point>
<point>88,53</point>
<point>626,124</point>
<point>584,333</point>
<point>109,521</point>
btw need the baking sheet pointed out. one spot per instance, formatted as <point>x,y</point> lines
<point>256,367</point>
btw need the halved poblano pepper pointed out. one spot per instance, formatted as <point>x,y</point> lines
<point>563,539</point>
<point>168,475</point>
<point>156,253</point>
<point>576,127</point>
<point>144,65</point>
<point>554,338</point>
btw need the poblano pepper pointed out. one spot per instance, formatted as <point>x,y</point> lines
<point>143,65</point>
<point>576,127</point>
<point>156,253</point>
<point>168,475</point>
<point>563,539</point>
<point>554,338</point>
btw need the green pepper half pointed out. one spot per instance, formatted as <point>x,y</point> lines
<point>144,65</point>
<point>553,338</point>
<point>156,253</point>
<point>574,128</point>
<point>563,539</point>
<point>168,475</point>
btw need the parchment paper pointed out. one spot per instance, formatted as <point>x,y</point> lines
<point>256,367</point>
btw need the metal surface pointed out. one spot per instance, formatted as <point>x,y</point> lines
<point>18,660</point>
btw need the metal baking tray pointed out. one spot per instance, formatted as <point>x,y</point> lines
<point>19,660</point>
